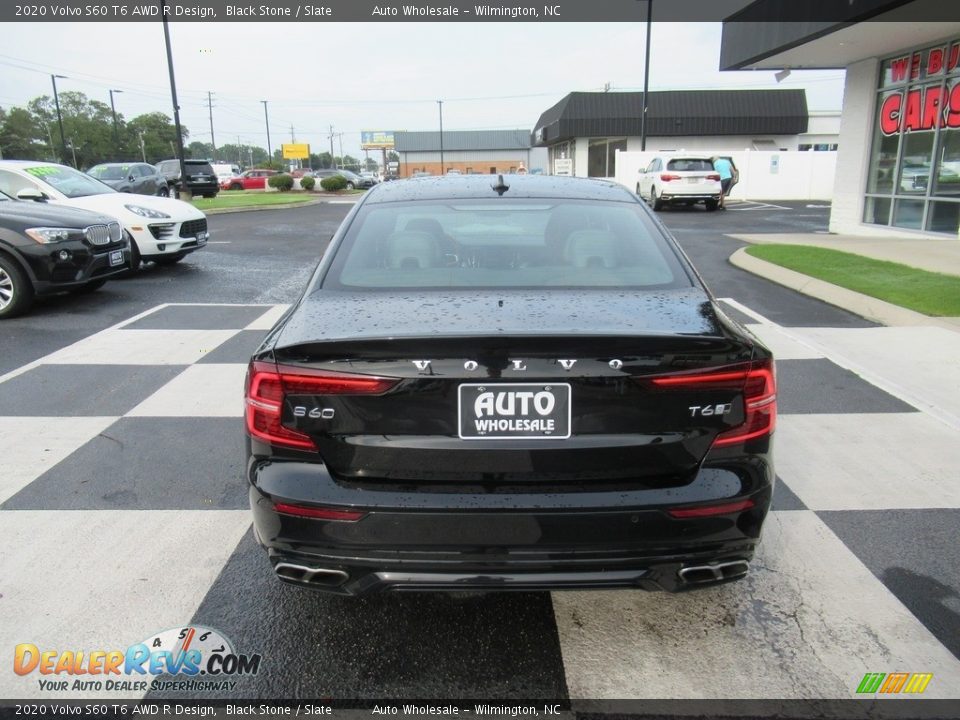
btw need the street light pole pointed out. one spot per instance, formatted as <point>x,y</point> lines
<point>440,104</point>
<point>113,111</point>
<point>56,102</point>
<point>267,118</point>
<point>173,93</point>
<point>646,79</point>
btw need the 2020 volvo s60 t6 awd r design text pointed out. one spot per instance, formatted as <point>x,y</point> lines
<point>506,383</point>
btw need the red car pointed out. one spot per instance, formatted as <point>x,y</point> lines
<point>250,180</point>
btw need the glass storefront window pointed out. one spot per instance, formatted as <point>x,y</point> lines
<point>877,211</point>
<point>944,217</point>
<point>914,167</point>
<point>883,161</point>
<point>908,214</point>
<point>601,156</point>
<point>946,180</point>
<point>915,163</point>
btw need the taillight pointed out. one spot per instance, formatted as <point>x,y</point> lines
<point>759,385</point>
<point>267,385</point>
<point>667,177</point>
<point>713,176</point>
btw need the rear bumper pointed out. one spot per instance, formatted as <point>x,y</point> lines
<point>667,196</point>
<point>413,540</point>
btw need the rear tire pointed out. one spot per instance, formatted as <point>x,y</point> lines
<point>172,193</point>
<point>349,186</point>
<point>236,186</point>
<point>655,202</point>
<point>16,292</point>
<point>163,192</point>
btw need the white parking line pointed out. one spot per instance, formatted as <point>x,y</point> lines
<point>758,206</point>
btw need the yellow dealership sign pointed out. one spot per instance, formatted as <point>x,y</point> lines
<point>296,151</point>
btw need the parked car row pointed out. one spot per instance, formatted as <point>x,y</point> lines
<point>63,230</point>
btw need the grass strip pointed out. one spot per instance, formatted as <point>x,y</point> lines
<point>920,290</point>
<point>245,198</point>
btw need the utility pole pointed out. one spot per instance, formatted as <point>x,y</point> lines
<point>53,153</point>
<point>646,79</point>
<point>143,149</point>
<point>340,138</point>
<point>73,149</point>
<point>332,161</point>
<point>266,117</point>
<point>56,101</point>
<point>113,111</point>
<point>173,95</point>
<point>440,103</point>
<point>210,109</point>
<point>239,152</point>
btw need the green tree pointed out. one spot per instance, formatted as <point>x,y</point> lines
<point>321,160</point>
<point>87,127</point>
<point>159,135</point>
<point>393,157</point>
<point>23,137</point>
<point>198,149</point>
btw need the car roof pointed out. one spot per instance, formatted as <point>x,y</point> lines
<point>23,164</point>
<point>442,187</point>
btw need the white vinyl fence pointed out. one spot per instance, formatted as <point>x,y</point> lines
<point>764,175</point>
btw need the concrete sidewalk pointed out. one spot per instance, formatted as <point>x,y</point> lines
<point>934,255</point>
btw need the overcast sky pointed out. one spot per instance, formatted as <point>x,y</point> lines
<point>371,76</point>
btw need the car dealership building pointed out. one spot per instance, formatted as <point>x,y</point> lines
<point>898,163</point>
<point>584,131</point>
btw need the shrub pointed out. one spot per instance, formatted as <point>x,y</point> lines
<point>282,182</point>
<point>334,182</point>
<point>307,182</point>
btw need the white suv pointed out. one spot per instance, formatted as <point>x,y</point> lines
<point>164,231</point>
<point>683,179</point>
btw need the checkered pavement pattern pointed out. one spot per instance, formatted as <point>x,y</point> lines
<point>123,512</point>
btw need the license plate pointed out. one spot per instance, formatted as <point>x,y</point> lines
<point>694,180</point>
<point>116,258</point>
<point>202,238</point>
<point>531,411</point>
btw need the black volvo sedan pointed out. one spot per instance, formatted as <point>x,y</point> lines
<point>500,383</point>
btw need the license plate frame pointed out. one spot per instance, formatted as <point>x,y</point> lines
<point>561,412</point>
<point>115,258</point>
<point>202,238</point>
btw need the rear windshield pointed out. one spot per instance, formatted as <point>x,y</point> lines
<point>504,244</point>
<point>689,164</point>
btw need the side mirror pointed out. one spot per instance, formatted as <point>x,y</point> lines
<point>31,194</point>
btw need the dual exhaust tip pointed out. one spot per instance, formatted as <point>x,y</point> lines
<point>717,572</point>
<point>315,577</point>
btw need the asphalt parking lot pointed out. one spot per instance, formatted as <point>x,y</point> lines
<point>132,501</point>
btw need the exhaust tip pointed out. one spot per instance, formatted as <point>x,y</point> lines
<point>303,575</point>
<point>717,572</point>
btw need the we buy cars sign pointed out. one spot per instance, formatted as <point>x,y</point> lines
<point>922,108</point>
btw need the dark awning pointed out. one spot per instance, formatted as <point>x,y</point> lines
<point>674,112</point>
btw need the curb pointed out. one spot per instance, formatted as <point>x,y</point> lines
<point>865,306</point>
<point>256,208</point>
